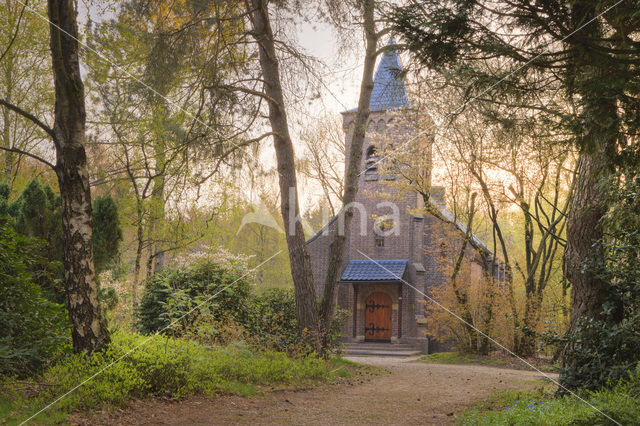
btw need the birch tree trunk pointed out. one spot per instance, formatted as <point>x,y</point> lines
<point>89,332</point>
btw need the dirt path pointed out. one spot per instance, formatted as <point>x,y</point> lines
<point>413,393</point>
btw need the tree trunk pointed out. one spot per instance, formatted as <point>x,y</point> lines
<point>461,296</point>
<point>9,158</point>
<point>88,331</point>
<point>336,257</point>
<point>588,292</point>
<point>139,247</point>
<point>307,311</point>
<point>527,343</point>
<point>156,224</point>
<point>488,299</point>
<point>6,142</point>
<point>598,141</point>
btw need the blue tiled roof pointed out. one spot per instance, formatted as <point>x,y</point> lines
<point>374,270</point>
<point>389,91</point>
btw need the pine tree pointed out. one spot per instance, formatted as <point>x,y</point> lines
<point>504,56</point>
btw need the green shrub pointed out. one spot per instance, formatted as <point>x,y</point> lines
<point>272,321</point>
<point>170,294</point>
<point>37,213</point>
<point>266,320</point>
<point>107,233</point>
<point>33,330</point>
<point>164,366</point>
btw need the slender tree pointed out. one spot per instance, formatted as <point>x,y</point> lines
<point>24,81</point>
<point>318,322</point>
<point>306,310</point>
<point>352,174</point>
<point>88,331</point>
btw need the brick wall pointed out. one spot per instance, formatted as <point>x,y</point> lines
<point>425,241</point>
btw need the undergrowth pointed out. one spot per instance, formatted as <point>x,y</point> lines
<point>162,367</point>
<point>620,403</point>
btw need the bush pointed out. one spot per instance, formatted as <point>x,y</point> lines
<point>33,330</point>
<point>601,353</point>
<point>273,322</point>
<point>37,213</point>
<point>107,233</point>
<point>170,294</point>
<point>621,402</point>
<point>168,367</point>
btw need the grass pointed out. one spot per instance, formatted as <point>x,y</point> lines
<point>163,367</point>
<point>489,360</point>
<point>541,407</point>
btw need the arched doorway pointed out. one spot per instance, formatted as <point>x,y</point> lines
<point>377,318</point>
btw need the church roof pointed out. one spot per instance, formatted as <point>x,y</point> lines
<point>374,270</point>
<point>389,90</point>
<point>477,242</point>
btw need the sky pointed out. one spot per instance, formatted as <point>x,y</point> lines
<point>343,78</point>
<point>339,89</point>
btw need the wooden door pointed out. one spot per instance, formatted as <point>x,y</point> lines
<point>377,318</point>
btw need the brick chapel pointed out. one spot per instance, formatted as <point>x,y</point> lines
<point>386,275</point>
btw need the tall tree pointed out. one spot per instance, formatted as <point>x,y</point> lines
<point>352,174</point>
<point>164,135</point>
<point>89,331</point>
<point>318,322</point>
<point>587,49</point>
<point>306,309</point>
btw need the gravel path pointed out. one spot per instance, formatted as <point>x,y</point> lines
<point>411,393</point>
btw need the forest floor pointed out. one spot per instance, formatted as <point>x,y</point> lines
<point>402,391</point>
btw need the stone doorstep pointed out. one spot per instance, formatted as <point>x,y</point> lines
<point>364,352</point>
<point>380,349</point>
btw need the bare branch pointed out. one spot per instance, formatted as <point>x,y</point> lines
<point>28,116</point>
<point>28,154</point>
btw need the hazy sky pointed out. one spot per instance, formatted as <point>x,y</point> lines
<point>340,79</point>
<point>343,77</point>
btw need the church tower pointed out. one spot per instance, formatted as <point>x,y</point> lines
<point>385,228</point>
<point>391,125</point>
<point>397,252</point>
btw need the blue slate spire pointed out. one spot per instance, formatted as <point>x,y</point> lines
<point>389,91</point>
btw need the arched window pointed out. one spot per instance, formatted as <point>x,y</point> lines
<point>443,250</point>
<point>371,152</point>
<point>371,159</point>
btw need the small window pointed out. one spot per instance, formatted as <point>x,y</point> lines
<point>380,233</point>
<point>371,152</point>
<point>443,250</point>
<point>371,159</point>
